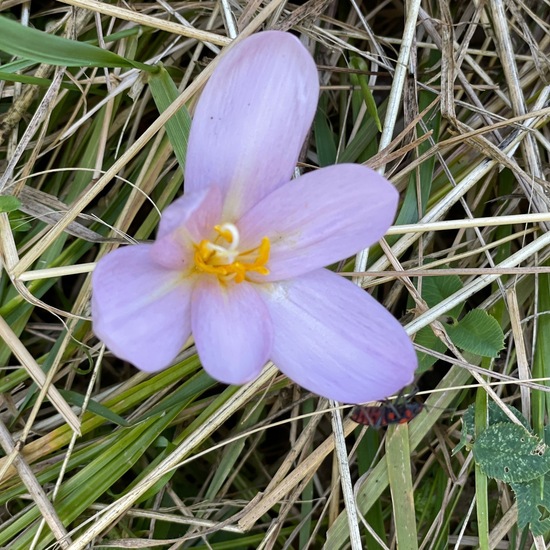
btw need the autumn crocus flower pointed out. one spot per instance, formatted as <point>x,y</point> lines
<point>238,260</point>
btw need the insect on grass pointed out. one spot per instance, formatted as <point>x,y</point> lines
<point>400,411</point>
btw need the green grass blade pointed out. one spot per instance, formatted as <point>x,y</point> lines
<point>91,482</point>
<point>42,47</point>
<point>367,452</point>
<point>368,98</point>
<point>232,453</point>
<point>75,398</point>
<point>482,504</point>
<point>24,79</point>
<point>177,128</point>
<point>324,136</point>
<point>400,480</point>
<point>541,363</point>
<point>409,212</point>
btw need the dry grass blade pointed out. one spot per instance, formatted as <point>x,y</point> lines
<point>345,477</point>
<point>37,493</point>
<point>155,22</point>
<point>37,374</point>
<point>305,470</point>
<point>539,244</point>
<point>114,513</point>
<point>524,371</point>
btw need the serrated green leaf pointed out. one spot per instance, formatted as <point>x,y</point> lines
<point>9,203</point>
<point>43,47</point>
<point>531,496</point>
<point>425,337</point>
<point>437,289</point>
<point>164,93</point>
<point>496,415</point>
<point>466,432</point>
<point>479,333</point>
<point>510,453</point>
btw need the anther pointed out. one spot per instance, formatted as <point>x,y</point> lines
<point>226,261</point>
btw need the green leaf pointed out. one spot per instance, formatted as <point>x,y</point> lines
<point>531,496</point>
<point>360,64</point>
<point>481,415</point>
<point>363,141</point>
<point>231,454</point>
<point>17,66</point>
<point>14,77</point>
<point>196,385</point>
<point>19,223</point>
<point>22,41</point>
<point>164,93</point>
<point>496,415</point>
<point>510,453</point>
<point>9,203</point>
<point>324,136</point>
<point>479,333</point>
<point>75,398</point>
<point>398,454</point>
<point>425,337</point>
<point>437,289</point>
<point>540,400</point>
<point>420,183</point>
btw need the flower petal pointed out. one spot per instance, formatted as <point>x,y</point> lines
<point>252,119</point>
<point>197,210</point>
<point>184,223</point>
<point>232,330</point>
<point>320,218</point>
<point>334,339</point>
<point>140,310</point>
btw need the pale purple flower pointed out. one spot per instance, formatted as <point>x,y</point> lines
<point>238,260</point>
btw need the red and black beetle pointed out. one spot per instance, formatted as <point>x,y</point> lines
<point>400,411</point>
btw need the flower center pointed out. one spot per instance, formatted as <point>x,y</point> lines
<point>223,258</point>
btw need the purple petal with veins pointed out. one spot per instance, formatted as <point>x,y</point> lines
<point>334,339</point>
<point>140,310</point>
<point>321,218</point>
<point>232,330</point>
<point>252,119</point>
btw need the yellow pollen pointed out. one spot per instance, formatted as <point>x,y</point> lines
<point>222,257</point>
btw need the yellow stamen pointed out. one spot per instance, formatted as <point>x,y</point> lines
<point>263,253</point>
<point>226,261</point>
